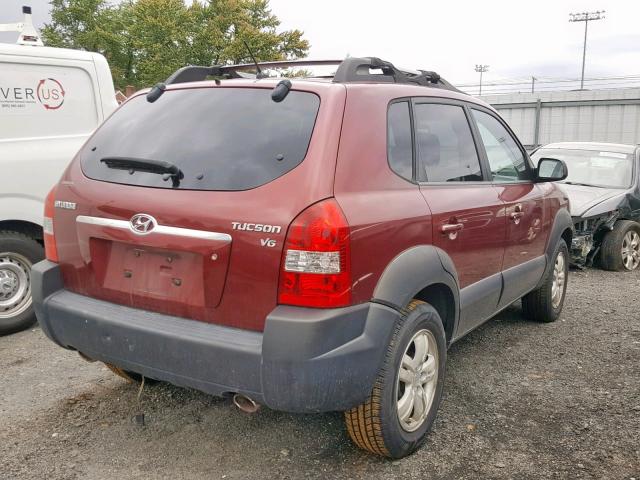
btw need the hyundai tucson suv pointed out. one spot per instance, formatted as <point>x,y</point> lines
<point>311,245</point>
<point>604,192</point>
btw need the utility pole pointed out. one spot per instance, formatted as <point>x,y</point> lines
<point>585,17</point>
<point>533,84</point>
<point>481,69</point>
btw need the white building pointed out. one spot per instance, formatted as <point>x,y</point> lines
<point>572,116</point>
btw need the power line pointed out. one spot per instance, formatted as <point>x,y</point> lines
<point>604,83</point>
<point>517,81</point>
<point>550,90</point>
<point>549,84</point>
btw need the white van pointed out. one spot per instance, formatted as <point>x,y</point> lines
<point>51,99</point>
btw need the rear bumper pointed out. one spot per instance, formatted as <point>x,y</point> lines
<point>306,360</point>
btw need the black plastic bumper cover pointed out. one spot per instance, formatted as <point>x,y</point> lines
<point>306,360</point>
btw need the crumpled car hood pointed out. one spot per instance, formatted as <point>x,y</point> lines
<point>582,199</point>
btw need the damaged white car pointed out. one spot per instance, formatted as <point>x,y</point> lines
<point>604,190</point>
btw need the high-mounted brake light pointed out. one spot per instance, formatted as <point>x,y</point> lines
<point>50,248</point>
<point>316,266</point>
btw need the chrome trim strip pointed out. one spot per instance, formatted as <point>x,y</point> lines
<point>162,229</point>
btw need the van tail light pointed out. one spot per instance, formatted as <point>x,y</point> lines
<point>316,264</point>
<point>50,248</point>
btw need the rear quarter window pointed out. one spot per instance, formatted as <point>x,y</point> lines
<point>399,140</point>
<point>220,138</point>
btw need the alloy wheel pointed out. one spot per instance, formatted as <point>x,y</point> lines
<point>417,380</point>
<point>631,250</point>
<point>559,279</point>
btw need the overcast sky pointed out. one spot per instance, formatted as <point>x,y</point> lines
<point>516,38</point>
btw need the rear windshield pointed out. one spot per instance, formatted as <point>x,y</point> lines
<point>219,138</point>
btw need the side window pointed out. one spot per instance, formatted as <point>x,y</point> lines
<point>506,160</point>
<point>399,143</point>
<point>445,148</point>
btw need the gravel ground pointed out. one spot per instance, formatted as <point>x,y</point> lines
<point>522,400</point>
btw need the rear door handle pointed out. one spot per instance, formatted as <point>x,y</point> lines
<point>517,215</point>
<point>451,227</point>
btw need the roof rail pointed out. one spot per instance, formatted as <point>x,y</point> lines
<point>193,73</point>
<point>372,69</point>
<point>350,70</point>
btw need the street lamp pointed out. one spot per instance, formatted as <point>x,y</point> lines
<point>585,17</point>
<point>481,69</point>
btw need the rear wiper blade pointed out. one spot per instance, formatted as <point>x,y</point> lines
<point>168,170</point>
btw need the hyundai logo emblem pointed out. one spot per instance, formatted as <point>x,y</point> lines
<point>142,224</point>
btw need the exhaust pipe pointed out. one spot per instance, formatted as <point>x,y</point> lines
<point>245,404</point>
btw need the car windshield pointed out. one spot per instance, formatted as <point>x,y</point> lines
<point>592,167</point>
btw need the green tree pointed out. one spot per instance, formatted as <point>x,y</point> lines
<point>220,28</point>
<point>93,25</point>
<point>161,37</point>
<point>77,24</point>
<point>146,40</point>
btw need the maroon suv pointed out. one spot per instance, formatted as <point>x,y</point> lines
<point>310,244</point>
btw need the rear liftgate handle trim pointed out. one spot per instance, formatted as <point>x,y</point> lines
<point>161,229</point>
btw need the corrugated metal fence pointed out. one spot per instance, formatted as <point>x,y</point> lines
<point>572,116</point>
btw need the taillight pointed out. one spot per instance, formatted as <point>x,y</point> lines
<point>316,265</point>
<point>50,248</point>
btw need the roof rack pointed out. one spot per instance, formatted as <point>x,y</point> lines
<point>350,70</point>
<point>372,69</point>
<point>28,33</point>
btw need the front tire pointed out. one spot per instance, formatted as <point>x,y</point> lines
<point>545,303</point>
<point>395,419</point>
<point>18,253</point>
<point>620,251</point>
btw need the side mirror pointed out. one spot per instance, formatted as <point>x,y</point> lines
<point>551,170</point>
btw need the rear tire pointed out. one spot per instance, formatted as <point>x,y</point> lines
<point>408,382</point>
<point>18,252</point>
<point>620,250</point>
<point>545,303</point>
